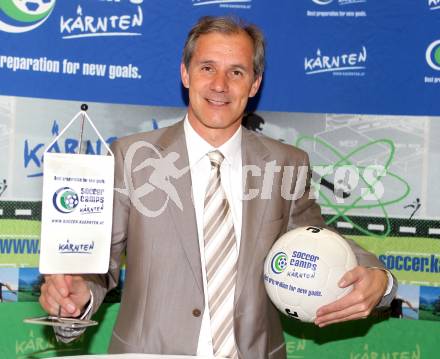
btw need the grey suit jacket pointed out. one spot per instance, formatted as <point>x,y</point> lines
<point>163,293</point>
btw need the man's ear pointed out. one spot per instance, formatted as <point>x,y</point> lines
<point>255,86</point>
<point>184,75</point>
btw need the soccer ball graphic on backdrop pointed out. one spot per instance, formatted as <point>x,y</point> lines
<point>303,268</point>
<point>27,10</point>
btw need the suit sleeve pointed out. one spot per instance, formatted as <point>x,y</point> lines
<point>304,211</point>
<point>101,284</point>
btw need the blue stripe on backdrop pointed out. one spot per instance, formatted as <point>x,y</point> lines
<point>332,56</point>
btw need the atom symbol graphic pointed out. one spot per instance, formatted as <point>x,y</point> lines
<point>351,197</point>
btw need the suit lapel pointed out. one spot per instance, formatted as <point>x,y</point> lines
<point>173,140</point>
<point>254,153</point>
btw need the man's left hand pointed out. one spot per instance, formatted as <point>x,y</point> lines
<point>369,286</point>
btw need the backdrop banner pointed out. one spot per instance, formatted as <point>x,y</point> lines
<point>368,339</point>
<point>366,176</point>
<point>330,56</point>
<point>354,83</point>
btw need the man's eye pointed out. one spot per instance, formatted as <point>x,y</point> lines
<point>237,73</point>
<point>207,68</point>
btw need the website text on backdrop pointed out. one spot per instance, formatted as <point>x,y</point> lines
<point>168,305</point>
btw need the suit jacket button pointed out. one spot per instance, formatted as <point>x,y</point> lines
<point>197,312</point>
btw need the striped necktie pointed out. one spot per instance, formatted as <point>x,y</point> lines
<point>221,261</point>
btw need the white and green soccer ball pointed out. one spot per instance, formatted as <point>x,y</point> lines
<point>303,268</point>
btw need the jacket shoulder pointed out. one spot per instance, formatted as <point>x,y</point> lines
<point>152,137</point>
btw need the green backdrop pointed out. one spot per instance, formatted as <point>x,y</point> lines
<point>374,338</point>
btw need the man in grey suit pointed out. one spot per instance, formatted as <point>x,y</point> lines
<point>166,307</point>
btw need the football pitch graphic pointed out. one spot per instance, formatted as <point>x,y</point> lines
<point>19,233</point>
<point>412,256</point>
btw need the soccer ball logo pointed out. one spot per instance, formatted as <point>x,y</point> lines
<point>303,268</point>
<point>279,262</point>
<point>433,55</point>
<point>24,15</point>
<point>65,200</point>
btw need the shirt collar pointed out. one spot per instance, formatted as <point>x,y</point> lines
<point>199,147</point>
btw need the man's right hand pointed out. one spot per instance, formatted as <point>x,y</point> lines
<point>70,292</point>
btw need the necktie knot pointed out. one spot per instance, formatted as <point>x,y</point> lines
<point>216,158</point>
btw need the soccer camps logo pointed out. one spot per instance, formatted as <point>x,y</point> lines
<point>433,55</point>
<point>65,200</point>
<point>279,262</point>
<point>17,16</point>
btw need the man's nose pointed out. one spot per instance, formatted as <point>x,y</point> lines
<point>220,82</point>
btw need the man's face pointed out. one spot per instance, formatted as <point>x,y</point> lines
<point>220,80</point>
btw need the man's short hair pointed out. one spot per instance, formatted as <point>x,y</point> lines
<point>226,25</point>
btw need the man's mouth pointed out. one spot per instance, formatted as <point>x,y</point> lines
<point>217,102</point>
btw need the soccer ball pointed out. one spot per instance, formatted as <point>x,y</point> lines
<point>66,200</point>
<point>303,268</point>
<point>71,200</point>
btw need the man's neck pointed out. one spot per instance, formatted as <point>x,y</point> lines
<point>214,136</point>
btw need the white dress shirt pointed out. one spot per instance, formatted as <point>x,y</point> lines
<point>231,179</point>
